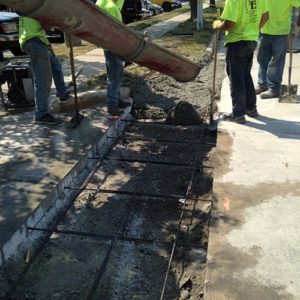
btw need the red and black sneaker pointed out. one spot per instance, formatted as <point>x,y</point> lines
<point>115,111</point>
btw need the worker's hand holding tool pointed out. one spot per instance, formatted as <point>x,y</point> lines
<point>216,24</point>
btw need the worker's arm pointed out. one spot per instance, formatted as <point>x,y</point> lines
<point>264,19</point>
<point>295,23</point>
<point>223,25</point>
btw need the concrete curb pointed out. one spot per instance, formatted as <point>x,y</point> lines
<point>85,100</point>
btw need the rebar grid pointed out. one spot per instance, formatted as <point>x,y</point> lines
<point>114,238</point>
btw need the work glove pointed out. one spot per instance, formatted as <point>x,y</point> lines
<point>216,23</point>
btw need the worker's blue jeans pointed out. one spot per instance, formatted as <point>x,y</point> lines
<point>114,68</point>
<point>42,75</point>
<point>239,59</point>
<point>271,58</point>
<point>58,76</point>
<point>44,65</point>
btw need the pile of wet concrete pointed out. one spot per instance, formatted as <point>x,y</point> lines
<point>161,97</point>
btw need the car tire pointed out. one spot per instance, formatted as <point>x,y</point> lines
<point>153,11</point>
<point>167,6</point>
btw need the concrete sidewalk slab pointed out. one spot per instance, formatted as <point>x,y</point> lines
<point>162,28</point>
<point>91,63</point>
<point>254,235</point>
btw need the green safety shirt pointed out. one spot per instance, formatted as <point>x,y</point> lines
<point>246,14</point>
<point>30,28</point>
<point>280,17</point>
<point>112,7</point>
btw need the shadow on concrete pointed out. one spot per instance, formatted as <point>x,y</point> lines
<point>35,157</point>
<point>281,128</point>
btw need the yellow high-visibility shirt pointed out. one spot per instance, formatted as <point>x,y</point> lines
<point>280,17</point>
<point>112,7</point>
<point>30,28</point>
<point>246,15</point>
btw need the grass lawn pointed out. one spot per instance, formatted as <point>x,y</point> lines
<point>187,40</point>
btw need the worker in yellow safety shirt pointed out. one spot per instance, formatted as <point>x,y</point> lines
<point>242,20</point>
<point>114,66</point>
<point>272,47</point>
<point>44,64</point>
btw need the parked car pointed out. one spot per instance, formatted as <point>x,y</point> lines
<point>167,5</point>
<point>9,33</point>
<point>178,4</point>
<point>154,8</point>
<point>133,10</point>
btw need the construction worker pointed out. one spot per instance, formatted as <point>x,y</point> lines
<point>272,47</point>
<point>44,64</point>
<point>114,66</point>
<point>242,20</point>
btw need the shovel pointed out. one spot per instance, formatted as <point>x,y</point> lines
<point>213,124</point>
<point>288,93</point>
<point>77,118</point>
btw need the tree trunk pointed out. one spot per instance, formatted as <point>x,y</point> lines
<point>193,4</point>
